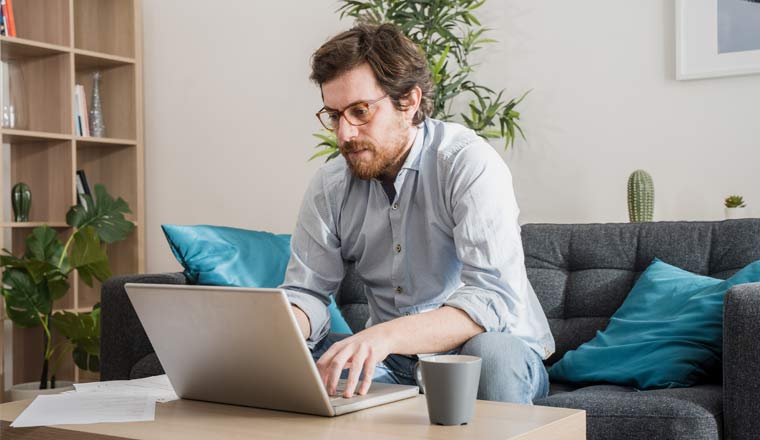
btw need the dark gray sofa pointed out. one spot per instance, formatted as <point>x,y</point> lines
<point>581,274</point>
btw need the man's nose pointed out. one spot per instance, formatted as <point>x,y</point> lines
<point>345,131</point>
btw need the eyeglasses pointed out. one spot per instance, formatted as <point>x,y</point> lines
<point>356,114</point>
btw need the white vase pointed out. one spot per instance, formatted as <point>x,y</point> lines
<point>732,213</point>
<point>30,390</point>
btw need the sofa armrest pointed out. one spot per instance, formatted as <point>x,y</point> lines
<point>123,341</point>
<point>741,356</point>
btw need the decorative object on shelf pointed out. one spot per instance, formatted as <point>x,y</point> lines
<point>717,38</point>
<point>640,197</point>
<point>735,207</point>
<point>21,200</point>
<point>448,33</point>
<point>33,282</point>
<point>97,123</point>
<point>14,108</point>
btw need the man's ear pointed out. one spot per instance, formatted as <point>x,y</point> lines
<point>411,102</point>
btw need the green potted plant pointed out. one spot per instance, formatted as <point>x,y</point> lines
<point>448,32</point>
<point>735,207</point>
<point>39,277</point>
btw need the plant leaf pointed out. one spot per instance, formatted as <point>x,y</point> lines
<point>106,215</point>
<point>83,331</point>
<point>25,302</point>
<point>88,257</point>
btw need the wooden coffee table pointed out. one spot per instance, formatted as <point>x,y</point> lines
<point>187,419</point>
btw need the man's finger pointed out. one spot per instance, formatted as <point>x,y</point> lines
<point>369,373</point>
<point>357,360</point>
<point>334,367</point>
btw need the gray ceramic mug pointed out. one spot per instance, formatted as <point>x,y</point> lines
<point>450,383</point>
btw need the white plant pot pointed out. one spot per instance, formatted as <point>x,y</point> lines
<point>732,213</point>
<point>30,390</point>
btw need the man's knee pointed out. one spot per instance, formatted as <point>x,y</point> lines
<point>493,346</point>
<point>505,374</point>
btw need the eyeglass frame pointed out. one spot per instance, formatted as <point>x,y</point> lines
<point>341,113</point>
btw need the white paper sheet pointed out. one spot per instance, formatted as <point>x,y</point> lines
<point>83,408</point>
<point>158,387</point>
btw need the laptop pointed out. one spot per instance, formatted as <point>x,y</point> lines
<point>241,346</point>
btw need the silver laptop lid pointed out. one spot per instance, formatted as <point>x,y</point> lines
<point>231,345</point>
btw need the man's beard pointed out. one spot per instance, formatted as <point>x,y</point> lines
<point>382,159</point>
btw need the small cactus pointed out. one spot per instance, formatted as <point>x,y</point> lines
<point>734,202</point>
<point>640,197</point>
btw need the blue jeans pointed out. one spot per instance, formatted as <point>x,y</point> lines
<point>511,371</point>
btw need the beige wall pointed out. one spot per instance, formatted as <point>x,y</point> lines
<point>229,113</point>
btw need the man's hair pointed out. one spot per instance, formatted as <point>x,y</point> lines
<point>398,64</point>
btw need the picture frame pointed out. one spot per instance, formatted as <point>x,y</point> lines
<point>697,44</point>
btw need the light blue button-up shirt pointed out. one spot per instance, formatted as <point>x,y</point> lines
<point>450,237</point>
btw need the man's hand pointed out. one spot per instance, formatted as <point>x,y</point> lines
<point>364,350</point>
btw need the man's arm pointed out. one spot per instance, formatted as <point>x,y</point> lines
<point>315,268</point>
<point>436,331</point>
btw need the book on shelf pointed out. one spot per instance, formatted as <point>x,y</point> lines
<point>80,111</point>
<point>8,26</point>
<point>82,187</point>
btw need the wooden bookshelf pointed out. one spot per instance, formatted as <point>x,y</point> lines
<point>61,43</point>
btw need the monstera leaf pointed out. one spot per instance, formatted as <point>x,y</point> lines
<point>83,331</point>
<point>25,302</point>
<point>88,256</point>
<point>104,214</point>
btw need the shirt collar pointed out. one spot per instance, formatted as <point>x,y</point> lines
<point>412,161</point>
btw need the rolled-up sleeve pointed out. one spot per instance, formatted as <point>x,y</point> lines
<point>315,268</point>
<point>487,237</point>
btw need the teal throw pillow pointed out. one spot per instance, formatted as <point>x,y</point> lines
<point>668,333</point>
<point>223,256</point>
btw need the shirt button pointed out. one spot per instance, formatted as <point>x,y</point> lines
<point>398,248</point>
<point>395,205</point>
<point>399,289</point>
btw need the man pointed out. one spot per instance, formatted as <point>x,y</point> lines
<point>426,213</point>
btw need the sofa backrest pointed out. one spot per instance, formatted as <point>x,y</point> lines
<point>582,272</point>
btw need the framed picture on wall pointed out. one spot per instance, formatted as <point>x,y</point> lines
<point>717,38</point>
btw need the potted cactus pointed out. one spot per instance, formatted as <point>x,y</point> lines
<point>735,207</point>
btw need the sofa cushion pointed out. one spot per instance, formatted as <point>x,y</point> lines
<point>224,256</point>
<point>582,273</point>
<point>667,333</point>
<point>614,412</point>
<point>146,367</point>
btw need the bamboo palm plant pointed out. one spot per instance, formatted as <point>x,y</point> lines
<point>448,32</point>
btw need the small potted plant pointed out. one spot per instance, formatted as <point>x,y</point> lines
<point>735,207</point>
<point>39,277</point>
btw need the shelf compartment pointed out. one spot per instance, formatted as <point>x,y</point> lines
<point>40,89</point>
<point>106,26</point>
<point>122,258</point>
<point>115,167</point>
<point>27,356</point>
<point>117,97</point>
<point>43,20</point>
<point>46,168</point>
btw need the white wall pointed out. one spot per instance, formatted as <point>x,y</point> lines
<point>229,112</point>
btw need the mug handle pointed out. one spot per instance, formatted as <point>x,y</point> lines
<point>418,377</point>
